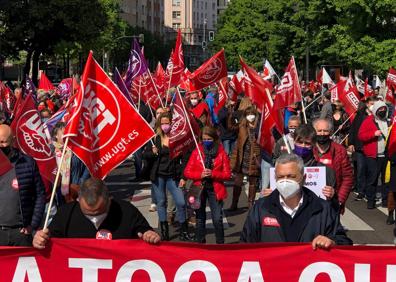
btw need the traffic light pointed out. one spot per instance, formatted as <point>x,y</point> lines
<point>141,38</point>
<point>211,35</point>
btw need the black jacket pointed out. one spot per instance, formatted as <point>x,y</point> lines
<point>31,189</point>
<point>262,223</point>
<point>354,130</point>
<point>154,160</point>
<point>124,221</point>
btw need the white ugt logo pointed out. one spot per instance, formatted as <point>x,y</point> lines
<point>95,109</point>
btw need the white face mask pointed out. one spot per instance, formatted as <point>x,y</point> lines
<point>251,118</point>
<point>371,108</point>
<point>287,188</point>
<point>194,102</point>
<point>97,220</point>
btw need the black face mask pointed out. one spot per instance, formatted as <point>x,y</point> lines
<point>381,114</point>
<point>323,139</point>
<point>6,150</point>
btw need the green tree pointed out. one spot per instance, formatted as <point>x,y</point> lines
<point>38,26</point>
<point>355,33</point>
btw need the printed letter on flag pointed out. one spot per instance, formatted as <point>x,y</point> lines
<point>104,128</point>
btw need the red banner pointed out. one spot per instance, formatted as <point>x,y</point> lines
<point>104,128</point>
<point>133,260</point>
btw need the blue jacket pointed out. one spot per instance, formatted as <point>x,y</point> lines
<point>31,189</point>
<point>263,221</point>
<point>78,171</point>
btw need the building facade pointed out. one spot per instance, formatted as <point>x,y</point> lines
<point>196,19</point>
<point>148,14</point>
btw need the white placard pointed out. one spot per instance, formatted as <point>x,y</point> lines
<point>315,179</point>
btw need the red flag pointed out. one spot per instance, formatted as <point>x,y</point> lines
<point>104,128</point>
<point>223,94</point>
<point>258,90</point>
<point>159,78</point>
<point>349,97</point>
<point>289,89</point>
<point>210,72</point>
<point>32,140</point>
<point>368,90</point>
<point>175,67</point>
<point>236,84</point>
<point>392,138</point>
<point>265,136</point>
<point>391,84</point>
<point>181,138</point>
<point>5,164</point>
<point>45,83</point>
<point>7,98</point>
<point>144,85</point>
<point>177,58</point>
<point>255,86</point>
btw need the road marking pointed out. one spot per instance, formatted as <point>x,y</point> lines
<point>352,222</point>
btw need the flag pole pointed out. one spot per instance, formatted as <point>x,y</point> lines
<point>286,144</point>
<point>167,91</point>
<point>55,184</point>
<point>189,124</point>
<point>310,104</point>
<point>342,141</point>
<point>340,127</point>
<point>155,87</point>
<point>302,98</point>
<point>140,87</point>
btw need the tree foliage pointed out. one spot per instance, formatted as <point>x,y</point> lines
<point>354,33</point>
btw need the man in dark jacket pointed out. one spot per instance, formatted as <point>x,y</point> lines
<point>356,147</point>
<point>22,195</point>
<point>98,216</point>
<point>292,213</point>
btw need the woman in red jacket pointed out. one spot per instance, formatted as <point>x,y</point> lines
<point>211,177</point>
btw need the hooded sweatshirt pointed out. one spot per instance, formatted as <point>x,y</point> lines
<point>382,125</point>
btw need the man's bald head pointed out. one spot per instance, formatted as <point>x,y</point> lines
<point>6,135</point>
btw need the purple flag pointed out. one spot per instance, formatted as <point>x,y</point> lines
<point>121,84</point>
<point>136,65</point>
<point>28,88</point>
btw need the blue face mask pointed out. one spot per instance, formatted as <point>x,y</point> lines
<point>208,144</point>
<point>303,152</point>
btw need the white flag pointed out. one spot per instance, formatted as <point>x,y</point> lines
<point>268,70</point>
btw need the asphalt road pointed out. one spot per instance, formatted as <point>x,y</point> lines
<point>364,227</point>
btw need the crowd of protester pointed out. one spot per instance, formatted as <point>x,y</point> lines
<point>354,155</point>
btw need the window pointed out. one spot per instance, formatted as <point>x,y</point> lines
<point>176,25</point>
<point>176,2</point>
<point>176,14</point>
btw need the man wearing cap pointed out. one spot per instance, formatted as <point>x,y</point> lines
<point>293,213</point>
<point>96,215</point>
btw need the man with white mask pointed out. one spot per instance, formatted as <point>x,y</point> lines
<point>293,213</point>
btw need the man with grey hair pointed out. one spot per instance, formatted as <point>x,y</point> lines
<point>293,213</point>
<point>334,156</point>
<point>96,215</point>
